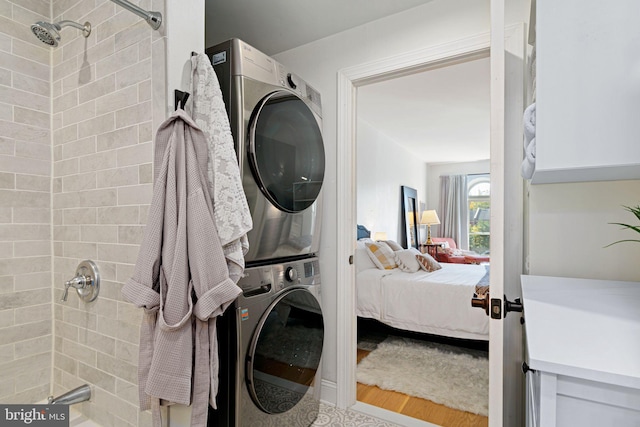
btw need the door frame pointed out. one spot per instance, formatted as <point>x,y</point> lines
<point>348,80</point>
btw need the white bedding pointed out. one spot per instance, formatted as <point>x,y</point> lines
<point>435,303</point>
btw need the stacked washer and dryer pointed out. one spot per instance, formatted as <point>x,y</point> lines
<point>271,339</point>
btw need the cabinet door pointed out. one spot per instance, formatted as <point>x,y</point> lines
<point>588,90</point>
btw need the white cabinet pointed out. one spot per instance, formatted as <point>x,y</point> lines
<point>583,342</point>
<point>588,90</point>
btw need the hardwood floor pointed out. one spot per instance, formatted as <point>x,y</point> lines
<point>416,407</point>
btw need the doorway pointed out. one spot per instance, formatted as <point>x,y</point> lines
<point>411,130</point>
<point>506,185</point>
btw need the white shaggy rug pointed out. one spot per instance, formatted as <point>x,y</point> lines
<point>438,373</point>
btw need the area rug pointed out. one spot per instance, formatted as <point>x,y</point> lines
<point>443,374</point>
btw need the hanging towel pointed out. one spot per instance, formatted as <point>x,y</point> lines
<point>180,256</point>
<point>529,163</point>
<point>529,122</point>
<point>230,208</point>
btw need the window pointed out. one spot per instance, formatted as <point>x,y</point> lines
<point>479,199</point>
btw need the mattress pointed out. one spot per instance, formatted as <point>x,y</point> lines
<point>435,303</point>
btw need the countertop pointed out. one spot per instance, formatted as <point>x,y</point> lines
<point>583,328</point>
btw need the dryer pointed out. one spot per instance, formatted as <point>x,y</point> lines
<point>276,122</point>
<point>278,335</point>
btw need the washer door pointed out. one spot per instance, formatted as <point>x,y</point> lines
<point>285,351</point>
<point>286,152</point>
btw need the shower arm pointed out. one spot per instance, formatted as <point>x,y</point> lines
<point>154,19</point>
<point>86,28</point>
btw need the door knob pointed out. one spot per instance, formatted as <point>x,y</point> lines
<point>481,302</point>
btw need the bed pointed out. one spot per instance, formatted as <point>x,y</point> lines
<point>437,302</point>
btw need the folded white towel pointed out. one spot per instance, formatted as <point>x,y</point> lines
<point>230,208</point>
<point>529,163</point>
<point>529,121</point>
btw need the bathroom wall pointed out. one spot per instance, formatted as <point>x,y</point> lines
<point>25,195</point>
<point>108,97</point>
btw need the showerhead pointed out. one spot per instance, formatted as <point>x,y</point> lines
<point>48,32</point>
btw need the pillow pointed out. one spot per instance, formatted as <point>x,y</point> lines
<point>393,245</point>
<point>361,257</point>
<point>381,255</point>
<point>406,260</point>
<point>427,263</point>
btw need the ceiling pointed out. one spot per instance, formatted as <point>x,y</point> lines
<point>441,115</point>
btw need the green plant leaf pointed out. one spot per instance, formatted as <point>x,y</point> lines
<point>620,241</point>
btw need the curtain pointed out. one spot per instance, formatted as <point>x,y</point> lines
<point>454,209</point>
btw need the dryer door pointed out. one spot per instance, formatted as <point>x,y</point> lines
<point>286,152</point>
<point>284,354</point>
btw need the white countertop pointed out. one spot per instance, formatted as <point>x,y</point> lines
<point>583,328</point>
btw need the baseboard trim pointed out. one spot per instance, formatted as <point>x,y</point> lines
<point>329,392</point>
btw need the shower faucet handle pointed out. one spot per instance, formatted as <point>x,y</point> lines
<point>86,282</point>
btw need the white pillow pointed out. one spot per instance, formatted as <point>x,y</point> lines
<point>361,258</point>
<point>381,255</point>
<point>393,245</point>
<point>428,263</point>
<point>406,260</point>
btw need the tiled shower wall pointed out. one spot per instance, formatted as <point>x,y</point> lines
<point>103,123</point>
<point>25,199</point>
<point>76,128</point>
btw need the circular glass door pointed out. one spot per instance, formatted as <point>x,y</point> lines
<point>286,152</point>
<point>285,351</point>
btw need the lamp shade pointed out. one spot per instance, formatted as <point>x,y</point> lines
<point>380,235</point>
<point>429,218</point>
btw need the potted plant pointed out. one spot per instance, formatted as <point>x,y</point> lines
<point>636,228</point>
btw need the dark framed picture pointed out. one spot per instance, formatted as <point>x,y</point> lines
<point>410,217</point>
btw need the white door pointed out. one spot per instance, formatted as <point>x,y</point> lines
<point>506,352</point>
<point>506,391</point>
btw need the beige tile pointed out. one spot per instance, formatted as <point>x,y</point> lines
<point>66,68</point>
<point>118,368</point>
<point>140,154</point>
<point>34,313</point>
<point>125,176</point>
<point>134,74</point>
<point>33,377</point>
<point>83,181</point>
<point>31,84</point>
<point>66,232</point>
<point>33,346</point>
<point>120,21</point>
<point>66,330</point>
<point>97,377</point>
<point>122,58</point>
<point>31,395</point>
<point>24,299</point>
<point>7,388</point>
<point>32,215</point>
<point>118,253</point>
<point>33,182</point>
<point>6,249</point>
<point>7,180</point>
<point>12,368</point>
<point>6,112</point>
<point>127,352</point>
<point>118,215</point>
<point>21,199</point>
<point>129,313</point>
<point>36,6</point>
<point>124,272</point>
<point>97,125</point>
<point>33,117</point>
<point>6,215</point>
<point>117,100</point>
<point>144,48</point>
<point>80,352</point>
<point>24,99</point>
<point>6,320</point>
<point>80,250</point>
<point>24,232</point>
<point>145,174</point>
<point>25,165</point>
<point>99,233</point>
<point>33,264</point>
<point>123,409</point>
<point>65,134</point>
<point>6,284</point>
<point>30,281</point>
<point>24,332</point>
<point>144,91</point>
<point>24,132</point>
<point>32,248</point>
<point>31,51</point>
<point>82,113</point>
<point>117,139</point>
<point>7,146</point>
<point>6,353</point>
<point>22,65</point>
<point>99,342</point>
<point>112,290</point>
<point>57,185</point>
<point>98,161</point>
<point>80,216</point>
<point>145,132</point>
<point>65,101</point>
<point>135,114</point>
<point>87,198</point>
<point>98,88</point>
<point>66,167</point>
<point>130,234</point>
<point>33,150</point>
<point>65,363</point>
<point>79,148</point>
<point>126,390</point>
<point>5,76</point>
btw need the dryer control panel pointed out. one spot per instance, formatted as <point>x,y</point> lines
<point>267,278</point>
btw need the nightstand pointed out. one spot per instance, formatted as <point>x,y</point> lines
<point>431,248</point>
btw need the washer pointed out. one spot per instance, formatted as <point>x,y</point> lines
<point>276,122</point>
<point>279,332</point>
